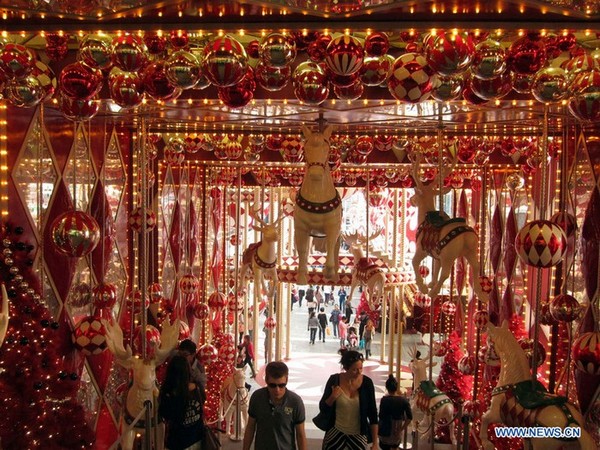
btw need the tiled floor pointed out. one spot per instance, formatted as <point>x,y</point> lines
<point>311,365</point>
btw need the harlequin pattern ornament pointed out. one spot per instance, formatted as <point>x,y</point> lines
<point>201,311</point>
<point>126,88</point>
<point>486,283</point>
<point>550,85</point>
<point>310,84</point>
<point>88,336</point>
<point>377,44</point>
<point>292,149</point>
<point>448,307</point>
<point>227,353</point>
<point>375,69</point>
<point>183,69</point>
<point>422,300</point>
<point>424,271</point>
<point>152,337</point>
<point>16,60</point>
<point>207,354</point>
<point>272,78</point>
<point>450,53</point>
<point>95,51</point>
<point>47,81</point>
<point>217,300</point>
<point>527,54</point>
<point>344,55</point>
<point>135,219</point>
<point>189,284</point>
<point>566,221</point>
<point>270,323</point>
<point>78,110</point>
<point>565,308</point>
<point>446,88</point>
<point>225,61</point>
<point>481,319</point>
<point>129,52</point>
<point>586,352</point>
<point>75,233</point>
<point>466,365</point>
<point>541,243</point>
<point>104,296</point>
<point>79,82</point>
<point>585,100</point>
<point>489,60</point>
<point>277,50</point>
<point>410,78</point>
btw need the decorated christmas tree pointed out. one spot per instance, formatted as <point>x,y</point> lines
<point>39,386</point>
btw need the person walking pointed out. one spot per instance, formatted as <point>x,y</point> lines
<point>322,317</point>
<point>349,402</point>
<point>343,331</point>
<point>334,318</point>
<point>248,348</point>
<point>362,323</point>
<point>276,415</point>
<point>342,295</point>
<point>181,403</point>
<point>394,416</point>
<point>319,296</point>
<point>313,326</point>
<point>348,311</point>
<point>301,294</point>
<point>368,333</point>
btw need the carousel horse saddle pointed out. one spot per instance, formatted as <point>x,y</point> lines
<point>429,388</point>
<point>429,231</point>
<point>439,219</point>
<point>531,395</point>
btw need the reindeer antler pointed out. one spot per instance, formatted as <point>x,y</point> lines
<point>351,239</point>
<point>168,340</point>
<point>4,315</point>
<point>114,340</point>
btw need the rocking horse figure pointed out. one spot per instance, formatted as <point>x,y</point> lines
<point>444,239</point>
<point>3,315</point>
<point>365,272</point>
<point>519,401</point>
<point>143,385</point>
<point>318,211</point>
<point>261,257</point>
<point>427,401</point>
<point>235,414</point>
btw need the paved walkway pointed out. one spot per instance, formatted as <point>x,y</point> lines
<point>310,366</point>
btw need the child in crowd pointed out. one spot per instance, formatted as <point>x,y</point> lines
<point>352,339</point>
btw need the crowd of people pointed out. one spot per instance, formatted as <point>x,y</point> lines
<point>348,411</point>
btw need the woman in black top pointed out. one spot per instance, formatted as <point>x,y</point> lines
<point>394,416</point>
<point>180,405</point>
<point>322,323</point>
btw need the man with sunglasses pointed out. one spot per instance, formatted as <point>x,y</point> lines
<point>276,414</point>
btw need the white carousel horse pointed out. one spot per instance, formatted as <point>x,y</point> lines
<point>234,389</point>
<point>261,257</point>
<point>440,237</point>
<point>516,402</point>
<point>143,386</point>
<point>4,315</point>
<point>318,211</point>
<point>427,401</point>
<point>364,272</point>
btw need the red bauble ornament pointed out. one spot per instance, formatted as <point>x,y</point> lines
<point>448,307</point>
<point>189,284</point>
<point>78,110</point>
<point>489,60</point>
<point>79,81</point>
<point>310,84</point>
<point>493,88</point>
<point>75,233</point>
<point>541,243</point>
<point>129,52</point>
<point>481,319</point>
<point>364,145</point>
<point>565,308</point>
<point>450,53</point>
<point>104,296</point>
<point>586,352</point>
<point>207,354</point>
<point>201,311</point>
<point>292,149</point>
<point>375,69</point>
<point>217,300</point>
<point>352,92</point>
<point>527,54</point>
<point>377,44</point>
<point>126,89</point>
<point>272,78</point>
<point>486,283</point>
<point>241,94</point>
<point>317,50</point>
<point>277,50</point>
<point>344,55</point>
<point>225,61</point>
<point>423,271</point>
<point>227,353</point>
<point>585,101</point>
<point>466,365</point>
<point>440,348</point>
<point>156,83</point>
<point>89,336</point>
<point>472,408</point>
<point>96,51</point>
<point>179,39</point>
<point>16,60</point>
<point>183,69</point>
<point>566,221</point>
<point>422,300</point>
<point>527,345</point>
<point>155,42</point>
